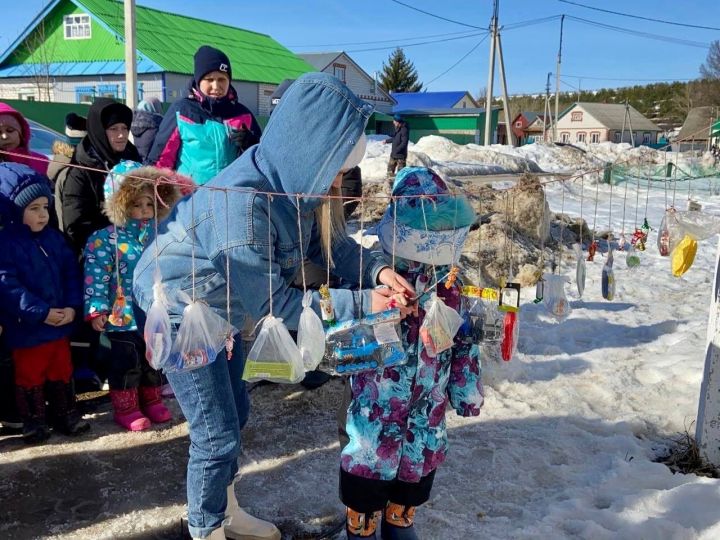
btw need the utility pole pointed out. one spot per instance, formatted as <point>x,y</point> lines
<point>131,85</point>
<point>503,83</point>
<point>547,116</point>
<point>632,133</point>
<point>491,72</point>
<point>557,79</point>
<point>622,133</point>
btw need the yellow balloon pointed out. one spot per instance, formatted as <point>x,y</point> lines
<point>683,256</point>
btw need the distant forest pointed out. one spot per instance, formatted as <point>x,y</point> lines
<point>667,104</point>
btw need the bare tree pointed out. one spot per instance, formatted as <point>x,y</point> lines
<point>481,96</point>
<point>37,52</point>
<point>711,68</point>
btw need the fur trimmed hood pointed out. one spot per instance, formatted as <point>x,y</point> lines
<point>126,188</point>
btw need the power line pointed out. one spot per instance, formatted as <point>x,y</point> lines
<point>393,40</point>
<point>679,79</point>
<point>420,43</point>
<point>463,57</point>
<point>657,37</point>
<point>437,16</point>
<point>638,16</point>
<point>521,24</point>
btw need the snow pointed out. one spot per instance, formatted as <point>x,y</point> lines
<point>565,446</point>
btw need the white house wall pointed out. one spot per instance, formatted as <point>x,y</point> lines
<point>589,125</point>
<point>361,84</point>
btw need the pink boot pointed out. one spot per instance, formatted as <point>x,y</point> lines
<point>152,404</point>
<point>127,411</point>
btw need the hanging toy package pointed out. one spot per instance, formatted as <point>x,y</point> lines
<point>539,290</point>
<point>158,332</point>
<point>580,270</point>
<point>439,327</point>
<point>366,344</point>
<point>120,313</point>
<point>669,233</point>
<point>632,257</point>
<point>608,278</point>
<point>274,356</point>
<point>326,307</point>
<point>555,300</point>
<point>200,338</point>
<point>310,335</point>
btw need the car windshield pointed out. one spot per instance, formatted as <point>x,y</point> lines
<point>43,138</point>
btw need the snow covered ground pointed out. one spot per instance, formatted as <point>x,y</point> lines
<point>565,446</point>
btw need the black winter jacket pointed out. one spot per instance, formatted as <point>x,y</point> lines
<point>400,138</point>
<point>144,128</point>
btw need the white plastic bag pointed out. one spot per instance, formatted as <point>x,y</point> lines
<point>580,270</point>
<point>274,355</point>
<point>554,296</point>
<point>158,332</point>
<point>311,335</point>
<point>439,327</point>
<point>697,224</point>
<point>200,338</point>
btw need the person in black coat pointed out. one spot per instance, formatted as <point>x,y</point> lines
<point>145,124</point>
<point>105,145</point>
<point>399,150</point>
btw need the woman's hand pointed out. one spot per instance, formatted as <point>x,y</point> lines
<point>384,298</point>
<point>98,323</point>
<point>55,317</point>
<point>396,282</point>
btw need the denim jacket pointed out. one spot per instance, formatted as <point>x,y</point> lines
<point>308,138</point>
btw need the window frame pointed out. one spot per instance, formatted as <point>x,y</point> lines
<point>594,135</point>
<point>77,25</point>
<point>343,69</point>
<point>581,137</point>
<point>565,137</point>
<point>576,116</point>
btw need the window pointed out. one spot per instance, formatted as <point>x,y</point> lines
<point>26,95</point>
<point>84,94</point>
<point>594,137</point>
<point>339,71</point>
<point>616,137</point>
<point>108,91</point>
<point>581,136</point>
<point>577,116</point>
<point>77,26</point>
<point>646,138</point>
<point>565,137</point>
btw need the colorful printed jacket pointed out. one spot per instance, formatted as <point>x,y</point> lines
<point>396,419</point>
<point>101,283</point>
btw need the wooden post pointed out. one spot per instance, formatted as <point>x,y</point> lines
<point>131,86</point>
<point>707,429</point>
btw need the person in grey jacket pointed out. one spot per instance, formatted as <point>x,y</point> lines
<point>145,124</point>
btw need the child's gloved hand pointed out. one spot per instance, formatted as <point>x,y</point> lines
<point>99,322</point>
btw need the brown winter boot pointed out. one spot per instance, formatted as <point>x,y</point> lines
<point>31,406</point>
<point>127,409</point>
<point>361,525</point>
<point>398,522</point>
<point>64,416</point>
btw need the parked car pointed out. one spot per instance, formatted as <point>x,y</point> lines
<point>43,138</point>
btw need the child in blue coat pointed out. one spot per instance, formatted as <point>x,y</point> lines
<point>396,417</point>
<point>40,291</point>
<point>110,258</point>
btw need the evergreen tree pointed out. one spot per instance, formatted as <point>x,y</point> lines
<point>399,75</point>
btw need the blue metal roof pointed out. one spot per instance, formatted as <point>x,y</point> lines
<point>67,69</point>
<point>426,100</point>
<point>446,111</point>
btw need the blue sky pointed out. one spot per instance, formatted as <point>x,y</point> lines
<point>598,55</point>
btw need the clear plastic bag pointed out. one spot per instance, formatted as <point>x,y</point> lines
<point>274,356</point>
<point>669,234</point>
<point>580,270</point>
<point>366,344</point>
<point>439,327</point>
<point>608,278</point>
<point>698,225</point>
<point>632,258</point>
<point>158,332</point>
<point>311,335</point>
<point>554,296</point>
<point>200,338</point>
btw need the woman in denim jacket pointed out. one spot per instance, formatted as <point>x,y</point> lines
<point>313,137</point>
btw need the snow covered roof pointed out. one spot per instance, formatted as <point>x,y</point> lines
<point>697,124</point>
<point>611,115</point>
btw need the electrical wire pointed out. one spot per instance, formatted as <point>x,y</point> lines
<point>648,35</point>
<point>463,57</point>
<point>420,43</point>
<point>393,40</point>
<point>678,79</point>
<point>639,16</point>
<point>436,16</point>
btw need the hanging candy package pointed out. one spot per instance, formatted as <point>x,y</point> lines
<point>274,356</point>
<point>158,332</point>
<point>554,299</point>
<point>608,278</point>
<point>632,258</point>
<point>120,313</point>
<point>310,335</point>
<point>669,233</point>
<point>683,255</point>
<point>200,338</point>
<point>439,327</point>
<point>366,344</point>
<point>511,330</point>
<point>580,270</point>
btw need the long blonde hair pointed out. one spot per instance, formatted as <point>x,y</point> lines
<point>330,220</point>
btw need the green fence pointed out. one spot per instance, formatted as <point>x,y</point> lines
<point>51,115</point>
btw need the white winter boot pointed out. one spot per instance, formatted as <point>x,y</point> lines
<point>239,525</point>
<point>217,534</point>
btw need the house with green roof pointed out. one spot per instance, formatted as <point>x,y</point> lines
<point>73,52</point>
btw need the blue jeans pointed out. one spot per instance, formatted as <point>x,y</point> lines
<point>216,404</point>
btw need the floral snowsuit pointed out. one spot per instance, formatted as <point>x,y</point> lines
<point>396,419</point>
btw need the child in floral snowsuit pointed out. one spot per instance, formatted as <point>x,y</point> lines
<point>110,258</point>
<point>396,418</point>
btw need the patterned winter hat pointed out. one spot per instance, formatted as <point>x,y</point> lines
<point>117,175</point>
